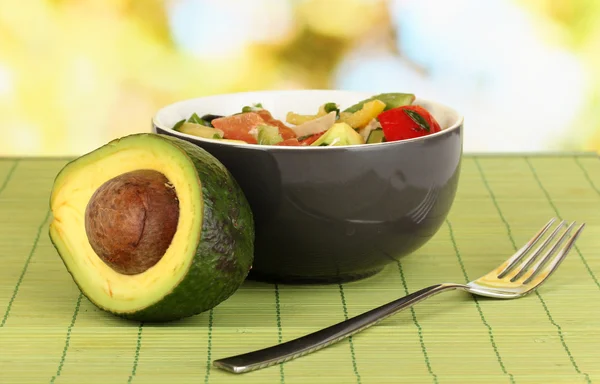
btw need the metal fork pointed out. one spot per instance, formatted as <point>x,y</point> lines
<point>512,279</point>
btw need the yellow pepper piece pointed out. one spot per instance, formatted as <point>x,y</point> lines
<point>297,119</point>
<point>345,116</point>
<point>363,116</point>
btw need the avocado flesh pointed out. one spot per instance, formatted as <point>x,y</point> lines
<point>339,134</point>
<point>211,251</point>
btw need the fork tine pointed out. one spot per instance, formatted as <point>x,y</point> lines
<point>534,255</point>
<point>521,252</point>
<point>553,266</point>
<point>549,255</point>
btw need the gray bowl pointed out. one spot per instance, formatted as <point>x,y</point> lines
<point>333,214</point>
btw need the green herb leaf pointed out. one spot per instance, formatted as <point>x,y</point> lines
<point>178,124</point>
<point>194,119</point>
<point>331,107</point>
<point>304,137</point>
<point>418,119</point>
<point>216,136</point>
<point>253,108</point>
<point>197,120</point>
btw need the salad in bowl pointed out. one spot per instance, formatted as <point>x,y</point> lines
<point>381,118</point>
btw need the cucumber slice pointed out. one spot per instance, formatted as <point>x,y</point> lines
<point>199,130</point>
<point>391,100</point>
<point>268,135</point>
<point>339,134</point>
<point>178,124</point>
<point>376,136</point>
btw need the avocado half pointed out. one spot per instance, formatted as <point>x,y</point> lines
<point>152,228</point>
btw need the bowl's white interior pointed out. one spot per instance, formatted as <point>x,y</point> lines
<point>279,103</point>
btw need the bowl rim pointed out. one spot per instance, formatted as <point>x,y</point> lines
<point>458,123</point>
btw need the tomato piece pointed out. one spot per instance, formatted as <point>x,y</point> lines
<point>285,131</point>
<point>237,127</point>
<point>308,140</point>
<point>407,122</point>
<point>293,142</point>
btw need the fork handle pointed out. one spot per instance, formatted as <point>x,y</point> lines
<point>314,341</point>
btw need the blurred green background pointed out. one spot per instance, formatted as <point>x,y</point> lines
<point>75,74</point>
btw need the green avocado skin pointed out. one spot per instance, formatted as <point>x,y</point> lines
<point>225,254</point>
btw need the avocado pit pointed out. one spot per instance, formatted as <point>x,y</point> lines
<point>131,219</point>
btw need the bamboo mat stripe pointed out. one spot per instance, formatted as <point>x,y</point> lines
<point>547,195</point>
<point>593,186</point>
<point>209,345</point>
<point>50,333</point>
<point>417,325</point>
<point>515,248</point>
<point>350,343</point>
<point>138,346</point>
<point>22,275</point>
<point>587,177</point>
<point>67,341</point>
<point>9,175</point>
<point>479,310</point>
<point>279,330</point>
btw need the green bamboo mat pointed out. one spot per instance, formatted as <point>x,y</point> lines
<point>49,333</point>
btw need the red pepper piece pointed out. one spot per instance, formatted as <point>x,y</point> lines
<point>407,122</point>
